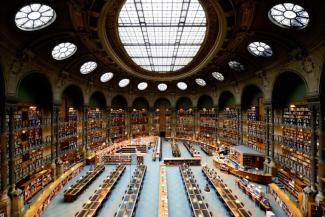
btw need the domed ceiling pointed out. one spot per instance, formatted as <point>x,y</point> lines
<point>161,45</point>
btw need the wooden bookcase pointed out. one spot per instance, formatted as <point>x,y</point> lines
<point>117,125</point>
<point>96,129</point>
<point>185,124</point>
<point>207,126</point>
<point>228,127</point>
<point>139,123</point>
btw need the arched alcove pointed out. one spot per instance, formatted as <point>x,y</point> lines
<point>140,103</point>
<point>162,102</point>
<point>251,96</point>
<point>97,100</point>
<point>205,101</point>
<point>35,90</point>
<point>119,102</point>
<point>184,103</point>
<point>226,99</point>
<point>72,97</point>
<point>288,88</point>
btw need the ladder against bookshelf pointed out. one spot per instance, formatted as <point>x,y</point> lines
<point>185,124</point>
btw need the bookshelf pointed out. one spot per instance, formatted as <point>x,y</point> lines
<point>32,141</point>
<point>294,140</point>
<point>168,115</point>
<point>207,125</point>
<point>96,129</point>
<point>228,127</point>
<point>185,124</point>
<point>139,122</point>
<point>255,129</point>
<point>117,125</point>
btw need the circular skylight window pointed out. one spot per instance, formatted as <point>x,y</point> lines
<point>237,66</point>
<point>162,87</point>
<point>63,50</point>
<point>34,17</point>
<point>182,85</point>
<point>260,49</point>
<point>200,82</point>
<point>160,35</point>
<point>124,82</point>
<point>88,67</point>
<point>106,77</point>
<point>142,85</point>
<point>289,15</point>
<point>218,76</point>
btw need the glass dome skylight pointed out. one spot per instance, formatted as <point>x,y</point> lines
<point>142,85</point>
<point>289,15</point>
<point>162,87</point>
<point>162,35</point>
<point>237,66</point>
<point>106,77</point>
<point>124,82</point>
<point>218,76</point>
<point>63,50</point>
<point>182,85</point>
<point>88,67</point>
<point>34,17</point>
<point>260,49</point>
<point>200,82</point>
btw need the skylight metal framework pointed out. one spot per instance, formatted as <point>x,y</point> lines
<point>162,35</point>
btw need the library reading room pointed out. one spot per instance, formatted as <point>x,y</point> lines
<point>162,108</point>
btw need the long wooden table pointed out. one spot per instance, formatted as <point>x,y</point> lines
<point>230,200</point>
<point>195,161</point>
<point>199,207</point>
<point>74,191</point>
<point>42,202</point>
<point>163,193</point>
<point>130,198</point>
<point>191,149</point>
<point>95,202</point>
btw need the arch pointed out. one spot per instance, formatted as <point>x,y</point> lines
<point>162,102</point>
<point>97,100</point>
<point>205,101</point>
<point>140,103</point>
<point>36,89</point>
<point>184,103</point>
<point>250,96</point>
<point>119,102</point>
<point>226,99</point>
<point>72,97</point>
<point>288,87</point>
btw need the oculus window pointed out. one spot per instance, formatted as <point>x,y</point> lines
<point>142,85</point>
<point>182,85</point>
<point>162,87</point>
<point>88,67</point>
<point>289,15</point>
<point>124,82</point>
<point>162,35</point>
<point>218,76</point>
<point>106,77</point>
<point>34,17</point>
<point>63,50</point>
<point>237,66</point>
<point>260,49</point>
<point>200,82</point>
